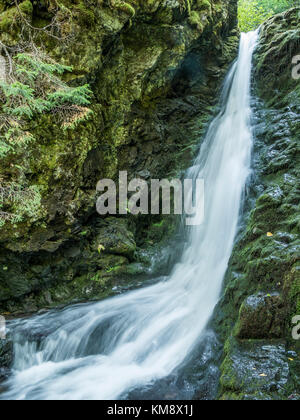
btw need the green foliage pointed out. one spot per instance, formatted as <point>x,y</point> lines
<point>36,64</point>
<point>278,6</point>
<point>28,207</point>
<point>33,87</point>
<point>124,7</point>
<point>253,13</point>
<point>22,202</point>
<point>195,20</point>
<point>78,95</point>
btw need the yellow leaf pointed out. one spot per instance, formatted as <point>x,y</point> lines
<point>263,375</point>
<point>101,248</point>
<point>291,360</point>
<point>269,234</point>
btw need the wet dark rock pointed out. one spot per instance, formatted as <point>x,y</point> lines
<point>255,370</point>
<point>4,374</point>
<point>114,237</point>
<point>6,355</point>
<point>72,252</point>
<point>262,288</point>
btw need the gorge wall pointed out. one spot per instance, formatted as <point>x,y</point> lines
<point>155,69</point>
<point>262,286</point>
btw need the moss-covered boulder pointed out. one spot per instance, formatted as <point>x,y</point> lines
<point>115,238</point>
<point>261,316</point>
<point>255,370</point>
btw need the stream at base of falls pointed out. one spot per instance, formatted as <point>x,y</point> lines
<point>152,342</point>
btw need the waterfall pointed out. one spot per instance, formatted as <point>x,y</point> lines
<point>104,350</point>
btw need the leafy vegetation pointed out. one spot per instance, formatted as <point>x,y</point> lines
<point>253,13</point>
<point>32,85</point>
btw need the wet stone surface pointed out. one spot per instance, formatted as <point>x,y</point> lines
<point>256,368</point>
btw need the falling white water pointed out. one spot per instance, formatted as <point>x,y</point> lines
<point>103,350</point>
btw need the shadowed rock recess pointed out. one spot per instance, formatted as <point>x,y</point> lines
<point>262,287</point>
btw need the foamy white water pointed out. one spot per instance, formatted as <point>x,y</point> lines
<point>103,350</point>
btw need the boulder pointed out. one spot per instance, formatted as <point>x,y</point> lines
<point>255,370</point>
<point>114,237</point>
<point>261,316</point>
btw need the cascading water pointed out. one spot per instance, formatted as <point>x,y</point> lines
<point>104,350</point>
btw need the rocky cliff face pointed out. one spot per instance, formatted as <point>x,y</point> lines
<point>154,68</point>
<point>262,291</point>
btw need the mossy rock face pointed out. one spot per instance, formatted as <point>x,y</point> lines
<point>11,21</point>
<point>261,316</point>
<point>155,80</point>
<point>115,238</point>
<point>279,44</point>
<point>261,293</point>
<point>255,370</point>
<point>6,357</point>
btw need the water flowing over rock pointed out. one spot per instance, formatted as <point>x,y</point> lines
<point>150,314</point>
<point>126,343</point>
<point>262,288</point>
<point>155,69</point>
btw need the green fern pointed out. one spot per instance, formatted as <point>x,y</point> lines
<point>77,96</point>
<point>34,88</point>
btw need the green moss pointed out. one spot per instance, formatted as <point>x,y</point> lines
<point>195,19</point>
<point>164,16</point>
<point>204,5</point>
<point>292,288</point>
<point>228,380</point>
<point>162,230</point>
<point>262,262</point>
<point>8,19</point>
<point>26,7</point>
<point>124,7</point>
<point>255,369</point>
<point>261,316</point>
<point>86,15</point>
<point>279,43</point>
<point>188,7</point>
<point>132,71</point>
<point>11,18</point>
